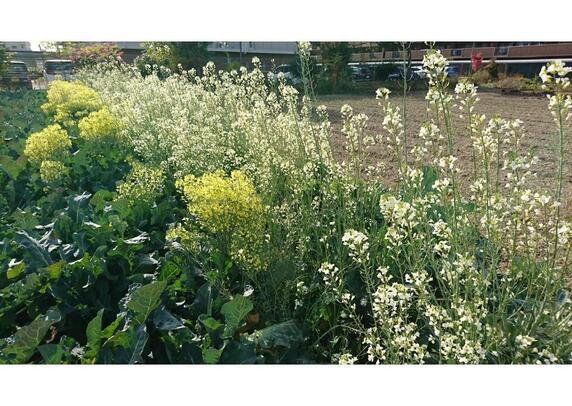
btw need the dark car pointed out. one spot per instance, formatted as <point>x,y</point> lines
<point>453,71</point>
<point>398,74</point>
<point>17,76</point>
<point>359,73</point>
<point>58,69</point>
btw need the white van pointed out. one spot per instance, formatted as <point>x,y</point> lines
<point>58,69</point>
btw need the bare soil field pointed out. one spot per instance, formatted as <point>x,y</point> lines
<point>532,110</point>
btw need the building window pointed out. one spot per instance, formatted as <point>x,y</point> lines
<point>251,45</point>
<point>456,52</point>
<point>501,51</point>
<point>395,54</point>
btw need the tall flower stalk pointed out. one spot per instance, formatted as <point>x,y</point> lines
<point>304,53</point>
<point>553,77</point>
<point>406,66</point>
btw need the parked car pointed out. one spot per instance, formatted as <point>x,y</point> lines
<point>17,76</point>
<point>419,72</point>
<point>289,73</point>
<point>360,73</point>
<point>453,71</point>
<point>58,69</point>
<point>398,74</point>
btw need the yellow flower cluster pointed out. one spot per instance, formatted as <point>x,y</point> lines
<point>69,101</point>
<point>229,207</point>
<point>189,240</point>
<point>50,144</point>
<point>142,185</point>
<point>52,171</point>
<point>222,204</point>
<point>99,126</point>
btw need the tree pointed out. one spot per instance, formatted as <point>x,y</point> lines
<point>335,57</point>
<point>90,55</point>
<point>172,54</point>
<point>3,60</point>
<point>189,54</point>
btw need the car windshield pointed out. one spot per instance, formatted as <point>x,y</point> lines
<point>58,67</point>
<point>17,68</point>
<point>283,68</point>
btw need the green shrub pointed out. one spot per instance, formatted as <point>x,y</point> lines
<point>481,76</point>
<point>493,69</point>
<point>91,55</point>
<point>381,72</point>
<point>343,84</point>
<point>511,82</point>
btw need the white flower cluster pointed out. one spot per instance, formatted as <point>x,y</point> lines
<point>382,94</point>
<point>331,276</point>
<point>393,338</point>
<point>357,244</point>
<point>443,233</point>
<point>434,145</point>
<point>347,359</point>
<point>301,292</point>
<point>357,141</point>
<point>459,332</point>
<point>435,66</point>
<point>192,124</point>
<point>393,125</point>
<point>304,48</point>
<point>555,72</point>
<point>524,342</point>
<point>466,88</point>
<point>402,218</point>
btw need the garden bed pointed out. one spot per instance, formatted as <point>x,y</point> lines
<point>217,219</point>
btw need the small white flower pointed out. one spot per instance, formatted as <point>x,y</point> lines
<point>347,359</point>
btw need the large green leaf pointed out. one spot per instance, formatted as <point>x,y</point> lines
<point>12,167</point>
<point>234,312</point>
<point>190,354</point>
<point>145,299</point>
<point>35,249</point>
<point>211,325</point>
<point>137,339</point>
<point>24,219</point>
<point>15,271</point>
<point>430,175</point>
<point>211,355</point>
<point>55,269</point>
<point>126,347</point>
<point>78,205</point>
<point>286,335</point>
<point>204,299</point>
<point>27,339</point>
<point>165,321</point>
<point>238,352</point>
<point>100,199</point>
<point>94,336</point>
<point>52,353</point>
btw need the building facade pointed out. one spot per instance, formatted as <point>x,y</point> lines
<point>223,53</point>
<point>17,46</point>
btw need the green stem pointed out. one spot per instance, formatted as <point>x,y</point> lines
<point>559,179</point>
